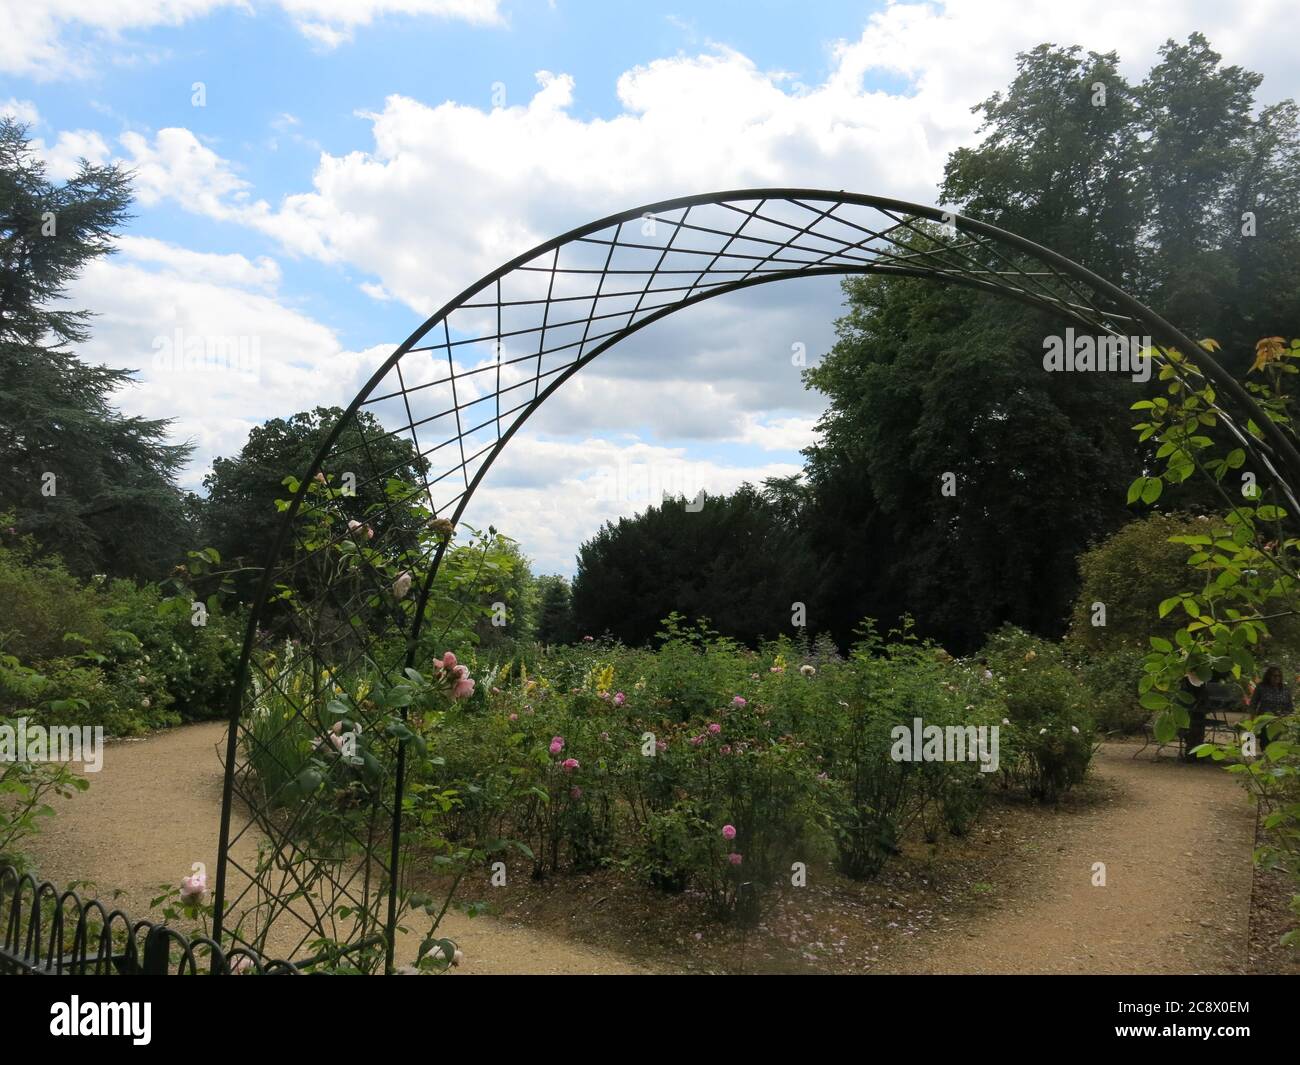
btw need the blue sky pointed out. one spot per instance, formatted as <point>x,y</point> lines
<point>351,169</point>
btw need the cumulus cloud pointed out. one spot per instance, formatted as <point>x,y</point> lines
<point>57,38</point>
<point>20,111</point>
<point>329,23</point>
<point>63,158</point>
<point>215,349</point>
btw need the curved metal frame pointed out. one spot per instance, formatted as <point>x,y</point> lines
<point>546,314</point>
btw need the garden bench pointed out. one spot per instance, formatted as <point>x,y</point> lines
<point>1209,719</point>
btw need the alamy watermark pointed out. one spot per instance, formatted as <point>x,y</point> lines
<point>650,482</point>
<point>77,1018</point>
<point>1073,353</point>
<point>182,352</point>
<point>53,743</point>
<point>920,742</point>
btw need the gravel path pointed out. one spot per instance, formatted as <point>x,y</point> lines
<point>155,809</point>
<point>1175,840</point>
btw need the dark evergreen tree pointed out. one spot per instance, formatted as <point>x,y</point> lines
<point>91,485</point>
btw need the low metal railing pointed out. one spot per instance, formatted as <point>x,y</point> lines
<point>51,932</point>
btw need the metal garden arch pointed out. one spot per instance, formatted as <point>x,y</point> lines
<point>457,391</point>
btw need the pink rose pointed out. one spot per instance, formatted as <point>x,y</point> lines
<point>619,698</point>
<point>448,660</point>
<point>193,888</point>
<point>739,700</point>
<point>728,831</point>
<point>557,744</point>
<point>714,728</point>
<point>570,764</point>
<point>734,858</point>
<point>462,689</point>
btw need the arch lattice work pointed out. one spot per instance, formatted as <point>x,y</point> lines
<point>304,860</point>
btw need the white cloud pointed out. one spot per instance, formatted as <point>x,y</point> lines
<point>215,349</point>
<point>230,269</point>
<point>34,37</point>
<point>63,158</point>
<point>51,39</point>
<point>176,165</point>
<point>20,111</point>
<point>447,192</point>
<point>329,23</point>
<point>551,495</point>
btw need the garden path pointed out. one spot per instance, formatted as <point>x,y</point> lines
<point>155,808</point>
<point>1176,840</point>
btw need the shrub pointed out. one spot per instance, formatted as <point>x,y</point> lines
<point>1110,681</point>
<point>1051,730</point>
<point>109,653</point>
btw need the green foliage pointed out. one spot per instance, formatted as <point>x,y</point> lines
<point>740,561</point>
<point>108,652</point>
<point>1111,679</point>
<point>319,753</point>
<point>1240,587</point>
<point>1129,574</point>
<point>703,765</point>
<point>240,517</point>
<point>1148,191</point>
<point>24,789</point>
<point>555,621</point>
<point>1046,703</point>
<point>873,797</point>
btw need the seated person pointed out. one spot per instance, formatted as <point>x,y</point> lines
<point>1271,696</point>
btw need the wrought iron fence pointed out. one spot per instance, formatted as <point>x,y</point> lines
<point>53,932</point>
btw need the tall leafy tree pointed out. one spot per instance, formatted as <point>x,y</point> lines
<point>1196,114</point>
<point>240,517</point>
<point>92,485</point>
<point>925,381</point>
